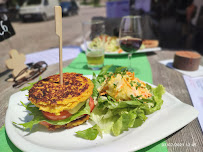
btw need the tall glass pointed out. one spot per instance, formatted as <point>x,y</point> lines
<point>130,36</point>
<point>92,30</point>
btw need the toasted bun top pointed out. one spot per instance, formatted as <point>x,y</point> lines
<point>49,94</point>
<point>150,43</point>
<point>188,54</point>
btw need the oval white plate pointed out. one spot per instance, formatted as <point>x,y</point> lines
<point>173,115</point>
<point>83,47</point>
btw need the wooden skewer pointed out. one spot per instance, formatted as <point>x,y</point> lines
<point>58,20</point>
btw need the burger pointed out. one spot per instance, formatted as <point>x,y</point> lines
<point>61,106</point>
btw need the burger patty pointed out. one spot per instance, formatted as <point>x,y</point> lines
<point>72,124</point>
<point>50,96</point>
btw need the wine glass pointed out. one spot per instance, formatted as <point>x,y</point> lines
<point>130,36</point>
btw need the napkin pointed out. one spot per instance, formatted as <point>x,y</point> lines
<point>143,71</point>
<point>195,89</point>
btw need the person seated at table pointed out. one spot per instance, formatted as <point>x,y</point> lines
<point>140,7</point>
<point>194,16</point>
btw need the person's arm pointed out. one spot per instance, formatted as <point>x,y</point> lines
<point>190,11</point>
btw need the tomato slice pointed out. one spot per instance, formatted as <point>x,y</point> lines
<point>65,114</point>
<point>91,104</point>
<point>44,123</point>
<point>51,116</point>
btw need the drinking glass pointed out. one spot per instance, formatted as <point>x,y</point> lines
<point>130,36</point>
<point>92,31</point>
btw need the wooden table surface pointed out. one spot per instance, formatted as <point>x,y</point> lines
<point>187,139</point>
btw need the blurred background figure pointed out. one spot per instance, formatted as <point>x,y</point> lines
<point>194,15</point>
<point>176,23</point>
<point>140,6</point>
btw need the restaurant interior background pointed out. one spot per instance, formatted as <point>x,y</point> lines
<point>177,24</point>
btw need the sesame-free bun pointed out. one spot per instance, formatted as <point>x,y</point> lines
<point>50,96</point>
<point>150,43</point>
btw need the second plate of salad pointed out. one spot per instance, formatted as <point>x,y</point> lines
<point>112,45</point>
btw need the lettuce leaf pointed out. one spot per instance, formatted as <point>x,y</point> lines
<point>38,116</point>
<point>104,70</point>
<point>120,69</point>
<point>90,133</point>
<point>117,116</point>
<point>119,119</point>
<point>156,100</point>
<point>103,118</point>
<point>96,85</point>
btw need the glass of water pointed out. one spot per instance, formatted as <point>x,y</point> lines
<point>94,43</point>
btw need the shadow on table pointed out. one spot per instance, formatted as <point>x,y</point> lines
<point>124,56</point>
<point>85,67</point>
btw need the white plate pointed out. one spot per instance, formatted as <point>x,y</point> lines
<point>84,48</point>
<point>173,116</point>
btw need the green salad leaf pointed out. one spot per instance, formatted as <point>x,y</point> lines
<point>104,70</point>
<point>155,102</point>
<point>120,69</point>
<point>96,85</point>
<point>38,116</point>
<point>118,118</point>
<point>90,133</point>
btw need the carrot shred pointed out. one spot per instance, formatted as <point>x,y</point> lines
<point>133,75</point>
<point>116,94</point>
<point>120,51</point>
<point>102,93</point>
<point>127,83</point>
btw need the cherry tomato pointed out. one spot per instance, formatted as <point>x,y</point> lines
<point>51,116</point>
<point>44,123</point>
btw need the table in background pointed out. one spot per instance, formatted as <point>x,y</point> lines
<point>188,138</point>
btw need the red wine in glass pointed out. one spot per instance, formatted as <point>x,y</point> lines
<point>130,36</point>
<point>130,44</point>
